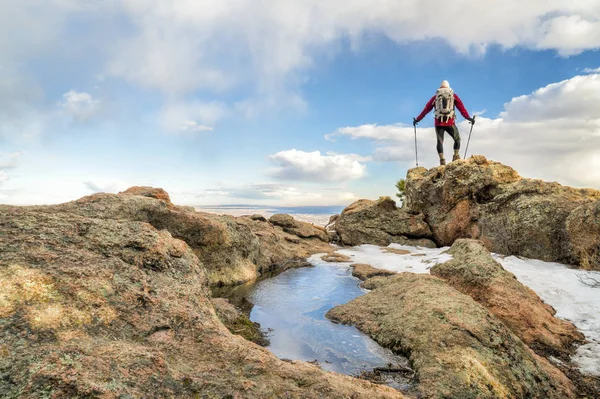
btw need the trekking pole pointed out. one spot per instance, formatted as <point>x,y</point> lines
<point>416,150</point>
<point>467,148</point>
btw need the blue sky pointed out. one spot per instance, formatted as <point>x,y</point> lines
<point>286,102</point>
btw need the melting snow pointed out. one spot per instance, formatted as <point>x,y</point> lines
<point>556,284</point>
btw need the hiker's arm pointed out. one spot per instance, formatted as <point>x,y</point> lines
<point>459,104</point>
<point>426,110</point>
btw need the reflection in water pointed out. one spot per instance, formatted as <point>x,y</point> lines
<point>293,305</point>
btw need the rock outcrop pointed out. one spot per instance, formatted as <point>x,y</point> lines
<point>485,200</point>
<point>297,228</point>
<point>96,302</point>
<point>381,222</point>
<point>583,230</point>
<point>151,192</point>
<point>474,272</point>
<point>233,250</point>
<point>364,272</point>
<point>456,346</point>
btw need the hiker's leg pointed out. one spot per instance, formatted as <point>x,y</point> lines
<point>439,132</point>
<point>456,136</point>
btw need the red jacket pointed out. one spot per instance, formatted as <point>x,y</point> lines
<point>430,104</point>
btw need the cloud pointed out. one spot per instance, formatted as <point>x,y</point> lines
<point>552,133</point>
<point>22,112</point>
<point>398,132</point>
<point>591,70</point>
<point>3,177</point>
<point>9,161</point>
<point>105,185</point>
<point>314,167</point>
<point>80,105</point>
<point>570,34</point>
<point>181,47</point>
<point>281,194</point>
<point>193,126</point>
<point>193,116</point>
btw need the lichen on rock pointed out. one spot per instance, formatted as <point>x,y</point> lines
<point>486,200</point>
<point>474,272</point>
<point>457,348</point>
<point>96,302</point>
<point>381,222</point>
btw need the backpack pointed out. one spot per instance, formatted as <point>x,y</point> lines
<point>444,104</point>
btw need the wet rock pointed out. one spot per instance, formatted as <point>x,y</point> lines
<point>456,346</point>
<point>474,272</point>
<point>281,250</point>
<point>486,200</point>
<point>238,323</point>
<point>381,222</point>
<point>335,257</point>
<point>363,271</point>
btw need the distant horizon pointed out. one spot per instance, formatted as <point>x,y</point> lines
<point>294,103</point>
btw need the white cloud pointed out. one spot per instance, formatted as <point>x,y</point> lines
<point>183,46</point>
<point>397,132</point>
<point>193,116</point>
<point>591,70</point>
<point>271,193</point>
<point>9,161</point>
<point>570,34</point>
<point>552,134</point>
<point>105,185</point>
<point>180,47</point>
<point>312,166</point>
<point>3,177</point>
<point>80,105</point>
<point>193,126</point>
<point>21,115</point>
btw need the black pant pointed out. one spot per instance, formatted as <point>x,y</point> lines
<point>452,131</point>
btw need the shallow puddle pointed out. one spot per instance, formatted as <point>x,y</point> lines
<point>292,307</point>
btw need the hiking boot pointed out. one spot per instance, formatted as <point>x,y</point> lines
<point>442,161</point>
<point>455,157</point>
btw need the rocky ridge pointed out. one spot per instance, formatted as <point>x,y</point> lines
<point>99,299</point>
<point>485,200</point>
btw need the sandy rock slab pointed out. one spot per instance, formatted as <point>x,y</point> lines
<point>474,272</point>
<point>456,346</point>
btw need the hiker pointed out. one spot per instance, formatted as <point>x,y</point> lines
<point>444,101</point>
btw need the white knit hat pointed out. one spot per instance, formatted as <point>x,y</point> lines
<point>445,84</point>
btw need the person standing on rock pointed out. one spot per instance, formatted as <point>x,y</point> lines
<point>444,102</point>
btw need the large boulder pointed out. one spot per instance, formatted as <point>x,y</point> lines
<point>456,346</point>
<point>583,230</point>
<point>474,272</point>
<point>147,191</point>
<point>113,308</point>
<point>282,247</point>
<point>298,228</point>
<point>482,199</point>
<point>381,222</point>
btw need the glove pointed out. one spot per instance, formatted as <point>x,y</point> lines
<point>472,120</point>
<point>415,123</point>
